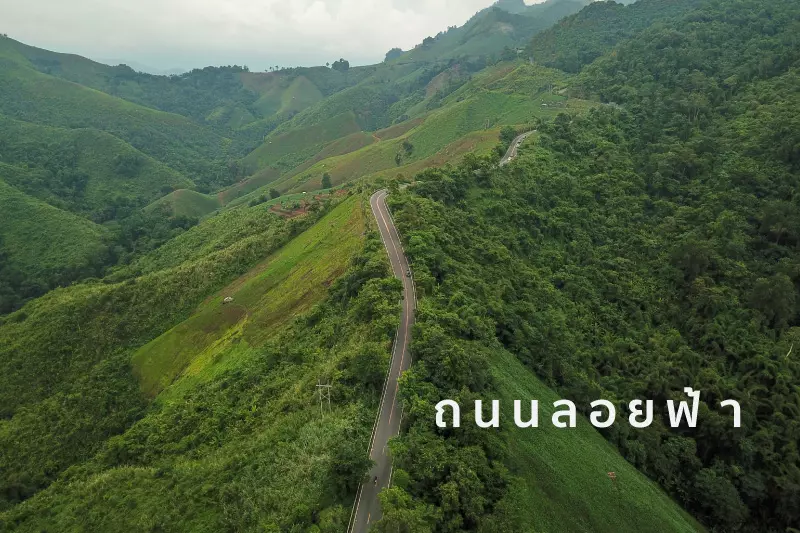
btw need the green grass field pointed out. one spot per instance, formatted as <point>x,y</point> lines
<point>287,150</point>
<point>565,484</point>
<point>188,203</point>
<point>39,238</point>
<point>286,284</point>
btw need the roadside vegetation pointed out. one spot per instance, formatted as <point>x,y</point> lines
<point>630,252</point>
<point>235,398</point>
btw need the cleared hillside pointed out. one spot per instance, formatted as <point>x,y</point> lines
<point>563,480</point>
<point>507,94</point>
<point>287,150</point>
<point>186,203</point>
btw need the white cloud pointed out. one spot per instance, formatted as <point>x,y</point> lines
<point>194,33</point>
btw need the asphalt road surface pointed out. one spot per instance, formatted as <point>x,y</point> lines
<point>514,148</point>
<point>366,509</point>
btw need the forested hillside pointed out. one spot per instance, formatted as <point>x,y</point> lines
<point>631,252</point>
<point>184,259</point>
<point>105,141</point>
<point>577,40</point>
<point>85,440</point>
<point>494,31</point>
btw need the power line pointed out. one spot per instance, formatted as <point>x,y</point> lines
<point>324,392</point>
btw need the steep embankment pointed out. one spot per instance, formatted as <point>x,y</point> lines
<point>237,381</point>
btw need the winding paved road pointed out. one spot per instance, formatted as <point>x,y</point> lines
<point>366,509</point>
<point>514,148</point>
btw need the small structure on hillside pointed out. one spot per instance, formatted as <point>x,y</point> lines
<point>227,300</point>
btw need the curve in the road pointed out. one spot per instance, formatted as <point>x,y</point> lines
<point>512,151</point>
<point>366,509</point>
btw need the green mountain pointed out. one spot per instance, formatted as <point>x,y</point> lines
<point>41,243</point>
<point>233,101</point>
<point>87,170</point>
<point>506,25</point>
<point>577,40</point>
<point>646,246</point>
<point>409,85</point>
<point>184,259</point>
<point>30,96</point>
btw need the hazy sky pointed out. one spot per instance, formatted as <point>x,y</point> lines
<point>166,34</point>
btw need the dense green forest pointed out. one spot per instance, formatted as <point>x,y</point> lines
<point>646,247</point>
<point>577,40</point>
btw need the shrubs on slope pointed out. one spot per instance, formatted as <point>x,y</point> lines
<point>222,444</point>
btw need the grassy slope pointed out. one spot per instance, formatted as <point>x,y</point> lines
<point>29,95</point>
<point>65,381</point>
<point>509,94</point>
<point>287,283</point>
<point>565,486</point>
<point>398,129</point>
<point>279,94</point>
<point>39,237</point>
<point>300,94</point>
<point>287,150</point>
<point>286,92</point>
<point>263,177</point>
<point>478,142</point>
<point>184,202</point>
<point>345,145</point>
<point>92,153</point>
<point>268,467</point>
<point>70,66</point>
<point>232,116</point>
<point>213,235</point>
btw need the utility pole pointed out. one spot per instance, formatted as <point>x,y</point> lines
<point>324,392</point>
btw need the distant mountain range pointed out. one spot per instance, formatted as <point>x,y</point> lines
<point>141,67</point>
